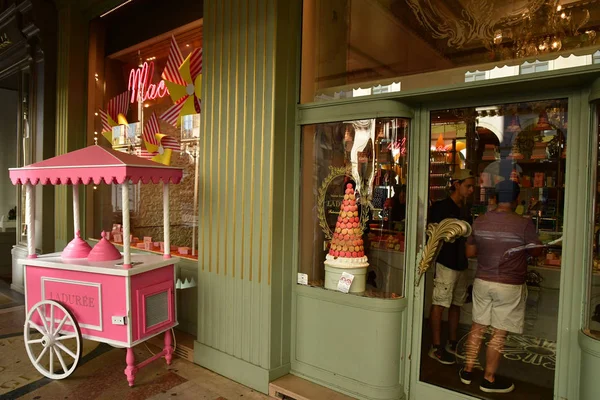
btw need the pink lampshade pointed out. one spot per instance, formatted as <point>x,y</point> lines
<point>77,248</point>
<point>104,251</point>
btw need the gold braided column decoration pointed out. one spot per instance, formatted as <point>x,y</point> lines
<point>448,230</point>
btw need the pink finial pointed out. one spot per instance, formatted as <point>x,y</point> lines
<point>77,248</point>
<point>104,250</point>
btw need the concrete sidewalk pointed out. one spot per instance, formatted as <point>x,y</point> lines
<point>99,374</point>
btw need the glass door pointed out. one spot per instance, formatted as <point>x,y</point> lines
<point>488,309</point>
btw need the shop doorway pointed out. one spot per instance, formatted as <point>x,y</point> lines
<point>502,169</point>
<point>9,95</point>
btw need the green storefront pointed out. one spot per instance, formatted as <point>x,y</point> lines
<point>281,89</point>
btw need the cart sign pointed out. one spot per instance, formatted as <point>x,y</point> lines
<point>83,299</point>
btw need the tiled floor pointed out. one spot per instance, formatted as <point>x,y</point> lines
<point>100,372</point>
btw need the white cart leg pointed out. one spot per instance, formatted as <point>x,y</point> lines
<point>76,225</point>
<point>126,230</point>
<point>30,219</point>
<point>167,222</point>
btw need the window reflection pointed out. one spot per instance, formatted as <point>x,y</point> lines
<point>392,45</point>
<point>492,302</point>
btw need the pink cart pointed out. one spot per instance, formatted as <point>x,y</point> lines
<point>97,294</point>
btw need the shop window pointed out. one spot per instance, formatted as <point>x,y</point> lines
<point>353,206</point>
<point>502,169</point>
<point>592,323</point>
<point>351,44</point>
<point>134,106</point>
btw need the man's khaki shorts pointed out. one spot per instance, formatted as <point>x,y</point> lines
<point>500,305</point>
<point>449,287</point>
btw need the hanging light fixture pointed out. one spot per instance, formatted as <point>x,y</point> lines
<point>515,125</point>
<point>543,124</point>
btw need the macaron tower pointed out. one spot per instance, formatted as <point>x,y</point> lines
<point>346,252</point>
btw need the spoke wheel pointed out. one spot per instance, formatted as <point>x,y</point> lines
<point>52,339</point>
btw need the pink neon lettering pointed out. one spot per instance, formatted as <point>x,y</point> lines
<point>140,87</point>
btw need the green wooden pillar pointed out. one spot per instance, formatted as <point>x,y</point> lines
<point>246,194</point>
<point>71,106</point>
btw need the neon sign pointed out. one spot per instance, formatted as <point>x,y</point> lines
<point>140,87</point>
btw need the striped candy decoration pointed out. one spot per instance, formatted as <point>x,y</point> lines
<point>169,142</point>
<point>118,105</point>
<point>104,120</point>
<point>175,59</point>
<point>196,63</point>
<point>151,128</point>
<point>171,116</point>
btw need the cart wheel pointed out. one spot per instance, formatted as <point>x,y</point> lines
<point>55,337</point>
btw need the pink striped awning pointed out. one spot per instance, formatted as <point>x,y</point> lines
<point>94,164</point>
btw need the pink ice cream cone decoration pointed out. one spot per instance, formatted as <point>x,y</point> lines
<point>347,238</point>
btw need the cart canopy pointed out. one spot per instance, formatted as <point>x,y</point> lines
<point>94,164</point>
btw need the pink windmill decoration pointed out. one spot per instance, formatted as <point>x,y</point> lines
<point>157,146</point>
<point>183,78</point>
<point>118,105</point>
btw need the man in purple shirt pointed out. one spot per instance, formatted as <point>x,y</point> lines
<point>499,292</point>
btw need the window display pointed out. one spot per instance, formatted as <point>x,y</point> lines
<point>353,206</point>
<point>147,102</point>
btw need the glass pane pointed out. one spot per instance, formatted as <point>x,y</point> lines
<point>351,46</point>
<point>134,113</point>
<point>353,206</point>
<point>493,298</point>
<point>592,326</point>
<point>10,116</point>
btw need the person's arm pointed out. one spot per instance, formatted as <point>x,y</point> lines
<point>471,247</point>
<point>531,237</point>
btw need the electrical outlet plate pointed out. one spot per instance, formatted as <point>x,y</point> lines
<point>117,320</point>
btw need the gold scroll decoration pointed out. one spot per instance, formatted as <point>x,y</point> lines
<point>448,230</point>
<point>336,172</point>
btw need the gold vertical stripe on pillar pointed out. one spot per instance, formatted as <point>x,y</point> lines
<point>272,154</point>
<point>211,216</point>
<point>235,132</point>
<point>253,139</point>
<point>219,133</point>
<point>244,143</point>
<point>228,179</point>
<point>262,147</point>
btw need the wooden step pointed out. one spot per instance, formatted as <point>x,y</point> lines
<point>296,388</point>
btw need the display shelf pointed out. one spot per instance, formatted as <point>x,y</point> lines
<point>155,250</point>
<point>545,267</point>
